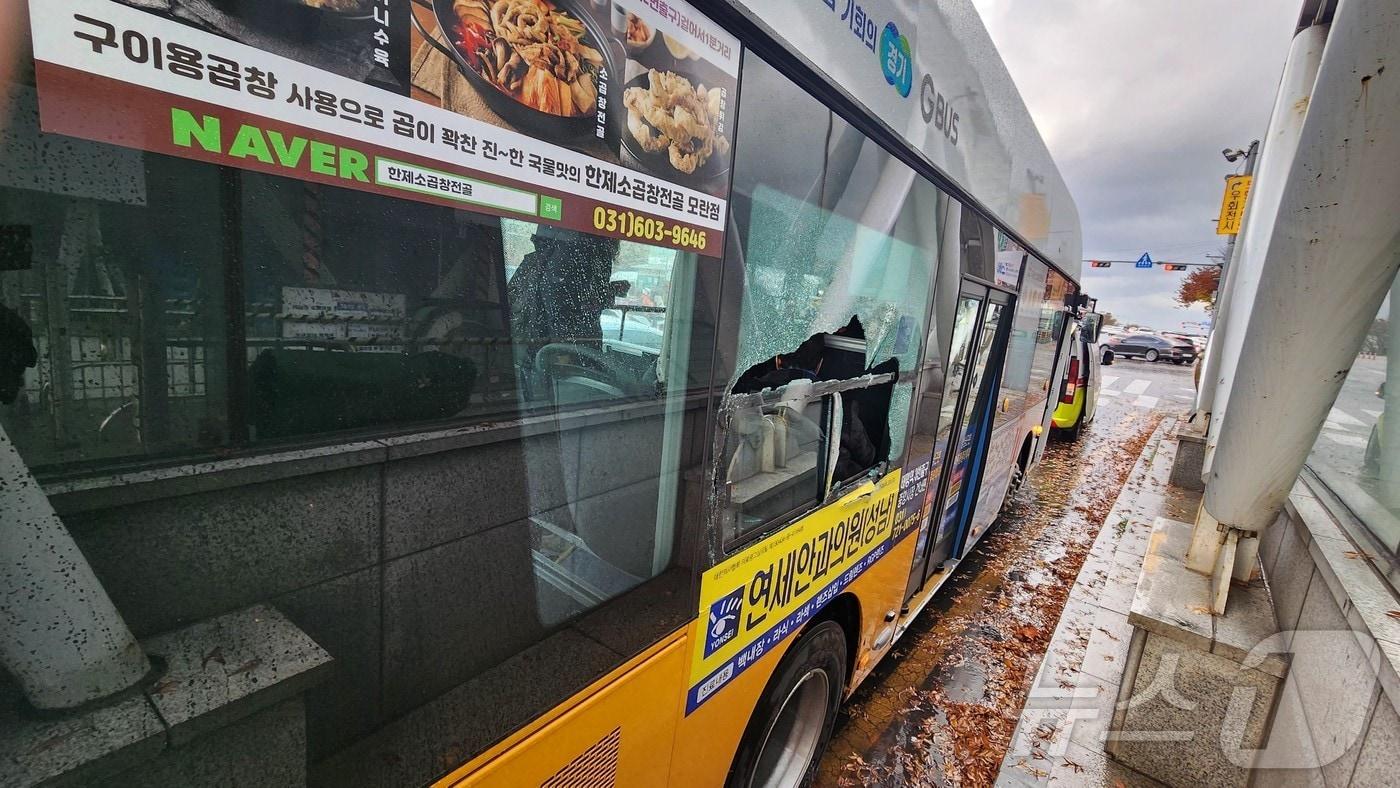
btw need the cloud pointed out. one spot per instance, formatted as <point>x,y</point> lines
<point>1144,297</point>
<point>1135,101</point>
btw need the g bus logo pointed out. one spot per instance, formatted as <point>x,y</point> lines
<point>724,620</point>
<point>896,60</point>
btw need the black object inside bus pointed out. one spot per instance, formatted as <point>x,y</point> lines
<point>296,392</point>
<point>837,355</point>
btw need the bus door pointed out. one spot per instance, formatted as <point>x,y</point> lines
<point>969,392</point>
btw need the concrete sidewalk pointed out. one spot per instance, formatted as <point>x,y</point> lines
<point>1060,737</point>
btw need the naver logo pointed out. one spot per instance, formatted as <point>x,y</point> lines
<point>896,60</point>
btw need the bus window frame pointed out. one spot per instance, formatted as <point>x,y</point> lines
<point>762,42</point>
<point>719,520</point>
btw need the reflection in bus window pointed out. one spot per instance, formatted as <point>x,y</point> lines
<point>532,382</point>
<point>360,312</point>
<point>837,254</point>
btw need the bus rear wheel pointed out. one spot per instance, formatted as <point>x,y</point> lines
<point>792,722</point>
<point>1070,434</point>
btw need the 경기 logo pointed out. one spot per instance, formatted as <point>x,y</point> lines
<point>896,60</point>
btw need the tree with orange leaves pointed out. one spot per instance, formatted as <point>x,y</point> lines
<point>1199,287</point>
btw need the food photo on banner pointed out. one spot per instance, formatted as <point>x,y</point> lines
<point>647,84</point>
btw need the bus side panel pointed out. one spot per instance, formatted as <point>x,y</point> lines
<point>708,738</point>
<point>880,592</point>
<point>628,723</point>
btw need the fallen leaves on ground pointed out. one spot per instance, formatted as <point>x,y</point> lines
<point>1003,633</point>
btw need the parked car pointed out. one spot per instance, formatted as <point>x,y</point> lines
<point>1197,341</point>
<point>638,332</point>
<point>1079,389</point>
<point>1150,347</point>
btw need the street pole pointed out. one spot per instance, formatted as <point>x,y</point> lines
<point>1210,369</point>
<point>63,640</point>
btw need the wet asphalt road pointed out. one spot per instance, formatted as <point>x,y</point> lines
<point>941,711</point>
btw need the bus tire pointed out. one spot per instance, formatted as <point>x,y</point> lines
<point>1018,480</point>
<point>792,722</point>
<point>1072,434</point>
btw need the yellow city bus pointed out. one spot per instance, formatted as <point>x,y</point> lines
<point>606,417</point>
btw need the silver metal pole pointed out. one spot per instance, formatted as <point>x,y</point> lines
<point>1275,165</point>
<point>60,635</point>
<point>1331,256</point>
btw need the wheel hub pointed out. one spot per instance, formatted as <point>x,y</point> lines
<point>792,739</point>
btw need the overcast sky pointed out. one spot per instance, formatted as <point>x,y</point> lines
<point>1136,99</point>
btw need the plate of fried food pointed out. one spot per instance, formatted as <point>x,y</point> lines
<point>673,128</point>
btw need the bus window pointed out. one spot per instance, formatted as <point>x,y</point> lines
<point>978,246</point>
<point>796,429</point>
<point>471,432</point>
<point>360,313</point>
<point>837,255</point>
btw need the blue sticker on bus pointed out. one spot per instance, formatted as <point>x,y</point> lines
<point>896,60</point>
<point>724,620</point>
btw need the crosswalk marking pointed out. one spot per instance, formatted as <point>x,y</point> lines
<point>1344,439</point>
<point>1335,425</point>
<point>1345,418</point>
<point>1134,391</point>
<point>1138,386</point>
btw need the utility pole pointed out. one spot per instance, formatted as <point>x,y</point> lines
<point>1210,369</point>
<point>63,640</point>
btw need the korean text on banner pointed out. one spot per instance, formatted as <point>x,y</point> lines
<point>1232,204</point>
<point>754,600</point>
<point>344,114</point>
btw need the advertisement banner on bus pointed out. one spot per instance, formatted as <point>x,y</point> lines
<point>754,600</point>
<point>915,497</point>
<point>601,119</point>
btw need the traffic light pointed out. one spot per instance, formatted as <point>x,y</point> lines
<point>1174,266</point>
<point>1099,263</point>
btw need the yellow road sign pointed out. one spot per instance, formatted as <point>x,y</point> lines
<point>1232,204</point>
